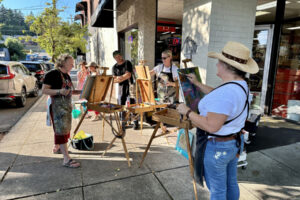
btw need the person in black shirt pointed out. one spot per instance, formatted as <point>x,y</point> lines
<point>58,85</point>
<point>124,76</point>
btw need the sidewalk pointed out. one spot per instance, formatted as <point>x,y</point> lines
<point>29,170</point>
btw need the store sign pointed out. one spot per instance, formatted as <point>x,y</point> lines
<point>166,29</point>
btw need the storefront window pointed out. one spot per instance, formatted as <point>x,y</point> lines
<point>168,36</point>
<point>131,46</point>
<point>286,99</point>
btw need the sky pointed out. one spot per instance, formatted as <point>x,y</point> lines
<point>36,6</point>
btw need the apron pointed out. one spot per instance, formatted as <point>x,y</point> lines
<point>166,94</point>
<point>61,110</point>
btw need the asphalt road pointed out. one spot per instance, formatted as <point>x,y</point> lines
<point>10,114</point>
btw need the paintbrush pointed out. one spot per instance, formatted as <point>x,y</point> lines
<point>184,75</point>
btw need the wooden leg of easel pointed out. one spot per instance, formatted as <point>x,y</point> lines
<point>149,143</point>
<point>126,152</point>
<point>103,124</point>
<point>164,131</point>
<point>142,118</point>
<point>109,146</point>
<point>78,125</point>
<point>191,161</point>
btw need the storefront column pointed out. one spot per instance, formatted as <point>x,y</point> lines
<point>208,25</point>
<point>140,14</point>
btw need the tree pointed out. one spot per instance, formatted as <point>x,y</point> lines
<point>13,22</point>
<point>15,48</point>
<point>54,35</point>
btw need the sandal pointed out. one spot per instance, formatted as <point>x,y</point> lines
<point>71,164</point>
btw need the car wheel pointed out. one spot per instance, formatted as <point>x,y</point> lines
<point>21,101</point>
<point>35,91</point>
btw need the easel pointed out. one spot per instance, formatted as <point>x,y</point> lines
<point>94,91</point>
<point>185,61</point>
<point>172,117</point>
<point>144,91</point>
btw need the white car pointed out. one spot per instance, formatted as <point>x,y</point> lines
<point>16,82</point>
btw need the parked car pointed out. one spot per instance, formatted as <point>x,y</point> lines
<point>48,66</point>
<point>38,68</point>
<point>16,82</point>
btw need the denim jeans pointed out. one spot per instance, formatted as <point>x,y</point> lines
<point>220,170</point>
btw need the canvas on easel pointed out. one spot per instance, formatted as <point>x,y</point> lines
<point>190,93</point>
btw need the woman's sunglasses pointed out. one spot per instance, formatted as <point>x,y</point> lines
<point>164,58</point>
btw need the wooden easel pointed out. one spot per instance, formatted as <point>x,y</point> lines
<point>172,117</point>
<point>144,91</point>
<point>95,91</point>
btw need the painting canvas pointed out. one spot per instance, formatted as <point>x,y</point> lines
<point>189,92</point>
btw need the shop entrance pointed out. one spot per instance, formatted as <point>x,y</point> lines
<point>262,43</point>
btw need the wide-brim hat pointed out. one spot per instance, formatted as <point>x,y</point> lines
<point>92,64</point>
<point>237,55</point>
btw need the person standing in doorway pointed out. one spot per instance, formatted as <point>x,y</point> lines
<point>124,76</point>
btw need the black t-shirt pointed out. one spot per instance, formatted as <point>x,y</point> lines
<point>54,79</point>
<point>119,70</point>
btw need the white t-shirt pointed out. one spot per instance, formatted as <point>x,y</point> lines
<point>228,100</point>
<point>158,70</point>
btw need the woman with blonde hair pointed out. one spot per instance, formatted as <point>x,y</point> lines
<point>166,75</point>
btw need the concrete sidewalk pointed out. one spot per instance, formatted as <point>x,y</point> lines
<point>29,170</point>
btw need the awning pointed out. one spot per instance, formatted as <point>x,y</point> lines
<point>81,6</point>
<point>80,17</point>
<point>103,15</point>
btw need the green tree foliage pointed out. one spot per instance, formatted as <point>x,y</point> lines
<point>54,35</point>
<point>13,22</point>
<point>15,48</point>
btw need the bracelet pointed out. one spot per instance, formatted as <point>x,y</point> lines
<point>58,92</point>
<point>188,113</point>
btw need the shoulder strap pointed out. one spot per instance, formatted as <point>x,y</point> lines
<point>246,102</point>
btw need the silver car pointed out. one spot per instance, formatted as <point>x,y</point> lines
<point>16,82</point>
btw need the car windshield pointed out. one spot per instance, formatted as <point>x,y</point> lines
<point>33,67</point>
<point>3,70</point>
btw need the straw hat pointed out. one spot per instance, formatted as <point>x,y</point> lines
<point>237,55</point>
<point>92,64</point>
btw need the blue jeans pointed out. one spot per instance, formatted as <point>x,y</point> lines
<point>220,170</point>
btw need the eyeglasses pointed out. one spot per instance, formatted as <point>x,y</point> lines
<point>164,58</point>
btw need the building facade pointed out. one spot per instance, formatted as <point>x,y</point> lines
<point>191,28</point>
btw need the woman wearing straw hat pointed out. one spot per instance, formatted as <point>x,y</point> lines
<point>222,115</point>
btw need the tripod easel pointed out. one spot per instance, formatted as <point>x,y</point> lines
<point>172,117</point>
<point>144,91</point>
<point>95,91</point>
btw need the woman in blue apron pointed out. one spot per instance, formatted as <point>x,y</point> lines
<point>166,77</point>
<point>58,85</point>
<point>222,115</point>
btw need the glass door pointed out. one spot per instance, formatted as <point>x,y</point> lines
<point>261,50</point>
